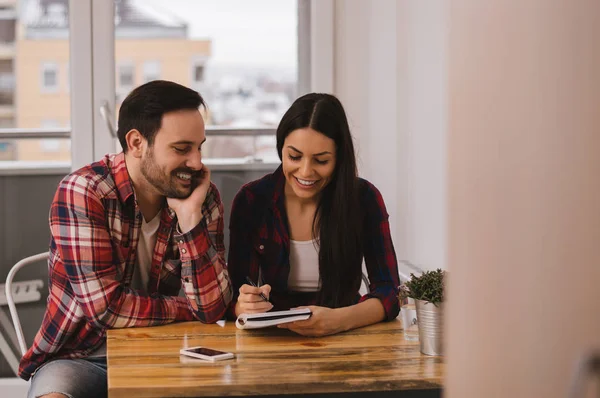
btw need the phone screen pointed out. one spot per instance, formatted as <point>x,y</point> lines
<point>205,351</point>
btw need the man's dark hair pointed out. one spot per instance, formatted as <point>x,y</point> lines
<point>145,106</point>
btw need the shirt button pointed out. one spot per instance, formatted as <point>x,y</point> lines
<point>261,247</point>
<point>183,251</point>
<point>187,279</point>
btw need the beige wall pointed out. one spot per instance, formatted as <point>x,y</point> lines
<point>524,195</point>
<point>34,107</point>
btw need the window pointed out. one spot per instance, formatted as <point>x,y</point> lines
<point>7,89</point>
<point>242,58</point>
<point>50,145</point>
<point>49,77</point>
<point>126,76</point>
<point>34,80</point>
<point>7,151</point>
<point>198,68</point>
<point>49,124</point>
<point>198,73</point>
<point>151,71</point>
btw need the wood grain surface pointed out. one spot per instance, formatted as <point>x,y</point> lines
<point>146,362</point>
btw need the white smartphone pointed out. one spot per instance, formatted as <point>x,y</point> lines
<point>208,354</point>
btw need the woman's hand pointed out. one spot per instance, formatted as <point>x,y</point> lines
<point>323,321</point>
<point>249,300</point>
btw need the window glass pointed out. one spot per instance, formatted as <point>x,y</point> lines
<point>34,78</point>
<point>240,55</point>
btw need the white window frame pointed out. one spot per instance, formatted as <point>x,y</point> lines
<point>49,66</point>
<point>319,63</point>
<point>93,69</point>
<point>92,49</point>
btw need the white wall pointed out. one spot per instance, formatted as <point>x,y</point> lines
<point>422,110</point>
<point>365,82</point>
<point>389,72</point>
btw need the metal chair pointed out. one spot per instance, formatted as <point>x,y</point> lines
<point>364,286</point>
<point>21,292</point>
<point>410,266</point>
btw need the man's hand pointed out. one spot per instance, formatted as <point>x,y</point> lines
<point>323,321</point>
<point>249,300</point>
<point>189,210</point>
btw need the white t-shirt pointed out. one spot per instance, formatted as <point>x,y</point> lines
<point>145,250</point>
<point>304,266</point>
<point>141,273</point>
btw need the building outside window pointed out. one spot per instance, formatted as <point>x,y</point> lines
<point>244,64</point>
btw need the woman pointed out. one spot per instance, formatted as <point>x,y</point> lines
<point>302,232</point>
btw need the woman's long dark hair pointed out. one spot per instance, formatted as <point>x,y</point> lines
<point>338,219</point>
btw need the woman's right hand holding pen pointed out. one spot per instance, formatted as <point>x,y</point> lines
<point>250,301</point>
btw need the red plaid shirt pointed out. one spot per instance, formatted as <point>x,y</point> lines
<point>95,225</point>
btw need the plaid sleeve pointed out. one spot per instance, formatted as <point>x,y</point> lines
<point>203,271</point>
<point>380,257</point>
<point>79,228</point>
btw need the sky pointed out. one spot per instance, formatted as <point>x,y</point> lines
<point>260,33</point>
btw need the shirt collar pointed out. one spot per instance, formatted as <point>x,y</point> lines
<point>121,177</point>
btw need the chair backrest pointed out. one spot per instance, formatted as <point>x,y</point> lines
<point>412,267</point>
<point>11,299</point>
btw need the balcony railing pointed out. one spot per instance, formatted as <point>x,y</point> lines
<point>19,133</point>
<point>45,167</point>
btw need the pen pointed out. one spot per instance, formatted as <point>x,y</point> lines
<point>253,284</point>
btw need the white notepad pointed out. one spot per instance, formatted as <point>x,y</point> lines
<point>266,319</point>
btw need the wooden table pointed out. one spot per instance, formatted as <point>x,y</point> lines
<point>371,361</point>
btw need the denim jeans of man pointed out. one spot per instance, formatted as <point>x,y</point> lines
<point>75,378</point>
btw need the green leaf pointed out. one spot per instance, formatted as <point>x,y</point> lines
<point>428,287</point>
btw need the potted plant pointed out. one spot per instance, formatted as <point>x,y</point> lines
<point>428,292</point>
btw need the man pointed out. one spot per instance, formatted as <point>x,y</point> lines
<point>128,232</point>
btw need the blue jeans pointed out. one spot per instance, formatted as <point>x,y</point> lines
<point>75,378</point>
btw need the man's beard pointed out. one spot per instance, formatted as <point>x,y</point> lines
<point>166,184</point>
